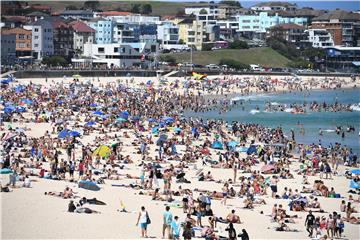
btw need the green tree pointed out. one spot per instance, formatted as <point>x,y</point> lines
<point>54,61</point>
<point>300,63</point>
<point>234,64</point>
<point>135,8</point>
<point>146,8</point>
<point>203,11</point>
<point>206,47</point>
<point>238,44</point>
<point>181,41</point>
<point>93,5</point>
<point>231,3</point>
<point>167,58</point>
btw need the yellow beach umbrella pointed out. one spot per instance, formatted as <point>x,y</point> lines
<point>102,151</point>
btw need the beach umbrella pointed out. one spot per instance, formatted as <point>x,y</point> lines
<point>5,171</point>
<point>74,133</point>
<point>354,184</point>
<point>102,151</point>
<point>97,113</point>
<point>9,109</point>
<point>93,105</point>
<point>154,130</point>
<point>5,81</point>
<point>26,101</point>
<point>64,133</point>
<point>90,123</point>
<point>267,168</point>
<point>20,109</point>
<point>217,145</point>
<point>176,129</point>
<point>124,114</point>
<point>168,119</point>
<point>120,119</point>
<point>355,171</point>
<point>151,120</point>
<point>76,76</point>
<point>19,88</point>
<point>135,118</point>
<point>242,149</point>
<point>232,144</point>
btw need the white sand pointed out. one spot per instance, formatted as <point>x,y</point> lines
<point>28,213</point>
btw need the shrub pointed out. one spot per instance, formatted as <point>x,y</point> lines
<point>238,44</point>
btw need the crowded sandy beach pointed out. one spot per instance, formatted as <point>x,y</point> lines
<point>115,157</point>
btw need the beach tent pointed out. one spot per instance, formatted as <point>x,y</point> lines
<point>124,114</point>
<point>355,171</point>
<point>176,129</point>
<point>251,150</point>
<point>168,119</point>
<point>98,113</point>
<point>88,185</point>
<point>64,133</point>
<point>102,151</point>
<point>217,145</point>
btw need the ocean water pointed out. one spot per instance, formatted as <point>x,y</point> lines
<point>311,121</point>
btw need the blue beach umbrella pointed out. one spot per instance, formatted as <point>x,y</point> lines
<point>135,118</point>
<point>98,113</point>
<point>232,144</point>
<point>93,105</point>
<point>74,134</point>
<point>64,133</point>
<point>176,129</point>
<point>151,120</point>
<point>26,101</point>
<point>90,123</point>
<point>168,119</point>
<point>355,171</point>
<point>120,119</point>
<point>20,109</point>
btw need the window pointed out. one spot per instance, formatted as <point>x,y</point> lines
<point>22,36</point>
<point>101,50</point>
<point>36,37</point>
<point>36,29</point>
<point>36,45</point>
<point>21,45</point>
<point>100,25</point>
<point>116,49</point>
<point>245,21</point>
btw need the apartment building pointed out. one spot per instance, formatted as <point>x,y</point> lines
<point>22,40</point>
<point>82,34</point>
<point>103,29</point>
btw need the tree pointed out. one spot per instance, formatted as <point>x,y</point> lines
<point>146,8</point>
<point>181,41</point>
<point>206,46</point>
<point>54,61</point>
<point>234,64</point>
<point>231,3</point>
<point>135,8</point>
<point>71,7</point>
<point>93,5</point>
<point>238,44</point>
<point>168,59</point>
<point>203,11</point>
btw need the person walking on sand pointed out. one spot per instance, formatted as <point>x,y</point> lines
<point>225,191</point>
<point>167,220</point>
<point>143,219</point>
<point>273,185</point>
<point>309,223</point>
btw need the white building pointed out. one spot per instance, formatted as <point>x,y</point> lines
<point>320,38</point>
<point>168,33</point>
<point>274,6</point>
<point>115,55</point>
<point>211,9</point>
<point>42,38</point>
<point>134,18</point>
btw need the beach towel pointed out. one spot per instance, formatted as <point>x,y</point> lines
<point>355,185</point>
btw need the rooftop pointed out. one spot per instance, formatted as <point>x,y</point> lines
<point>77,12</point>
<point>81,27</point>
<point>338,14</point>
<point>113,13</point>
<point>287,26</point>
<point>273,4</point>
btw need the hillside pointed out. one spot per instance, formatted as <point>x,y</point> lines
<point>265,57</point>
<point>158,7</point>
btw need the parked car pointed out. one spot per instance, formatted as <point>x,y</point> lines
<point>212,66</point>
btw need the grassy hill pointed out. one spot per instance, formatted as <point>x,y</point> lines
<point>158,7</point>
<point>265,57</point>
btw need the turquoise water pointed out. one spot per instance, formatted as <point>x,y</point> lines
<point>311,121</point>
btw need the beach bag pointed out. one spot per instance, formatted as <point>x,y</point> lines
<point>148,221</point>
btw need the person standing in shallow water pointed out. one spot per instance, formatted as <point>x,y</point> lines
<point>143,220</point>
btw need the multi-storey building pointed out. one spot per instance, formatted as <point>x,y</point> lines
<point>23,40</point>
<point>77,14</point>
<point>168,33</point>
<point>288,31</point>
<point>42,42</point>
<point>82,34</point>
<point>341,25</point>
<point>274,6</point>
<point>8,48</point>
<point>63,38</point>
<point>103,29</point>
<point>318,38</point>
